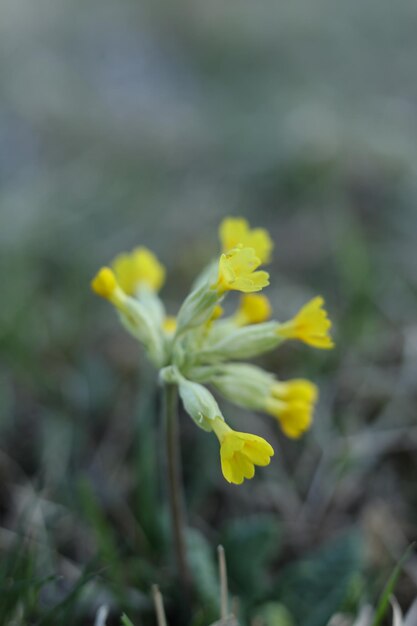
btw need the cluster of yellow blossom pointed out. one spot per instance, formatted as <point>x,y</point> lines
<point>200,347</point>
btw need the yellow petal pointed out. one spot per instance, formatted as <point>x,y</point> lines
<point>295,416</point>
<point>231,444</point>
<point>227,469</point>
<point>237,271</point>
<point>294,424</point>
<point>138,267</point>
<point>236,230</point>
<point>253,309</point>
<point>296,389</point>
<point>244,466</point>
<point>259,455</point>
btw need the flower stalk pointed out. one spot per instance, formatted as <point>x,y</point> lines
<point>175,484</point>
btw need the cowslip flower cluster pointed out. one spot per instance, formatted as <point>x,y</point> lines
<point>200,346</point>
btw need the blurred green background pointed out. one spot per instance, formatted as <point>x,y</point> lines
<point>126,123</point>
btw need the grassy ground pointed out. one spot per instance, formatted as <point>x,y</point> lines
<point>124,124</point>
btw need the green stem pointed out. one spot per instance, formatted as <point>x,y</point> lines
<point>175,486</point>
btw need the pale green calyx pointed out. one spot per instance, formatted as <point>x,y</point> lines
<point>197,400</point>
<point>199,404</point>
<point>241,383</point>
<point>138,320</point>
<point>243,343</point>
<point>197,307</point>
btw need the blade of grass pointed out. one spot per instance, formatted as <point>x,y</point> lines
<point>50,618</point>
<point>16,576</point>
<point>105,537</point>
<point>384,600</point>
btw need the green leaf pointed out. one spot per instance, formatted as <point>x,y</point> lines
<point>68,604</point>
<point>125,620</point>
<point>250,544</point>
<point>314,588</point>
<point>17,570</point>
<point>274,614</point>
<point>204,568</point>
<point>384,601</point>
<point>105,537</point>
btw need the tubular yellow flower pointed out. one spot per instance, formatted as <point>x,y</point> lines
<point>236,230</point>
<point>311,325</point>
<point>292,403</point>
<point>240,452</point>
<point>139,267</point>
<point>237,271</point>
<point>133,314</point>
<point>104,283</point>
<point>253,309</point>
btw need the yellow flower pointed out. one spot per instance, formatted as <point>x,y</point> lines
<point>240,452</point>
<point>292,403</point>
<point>138,267</point>
<point>104,283</point>
<point>236,230</point>
<point>253,309</point>
<point>310,325</point>
<point>237,271</point>
<point>136,318</point>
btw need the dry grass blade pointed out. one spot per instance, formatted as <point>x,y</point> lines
<point>159,606</point>
<point>226,618</point>
<point>397,616</point>
<point>365,616</point>
<point>224,608</point>
<point>411,617</point>
<point>101,616</point>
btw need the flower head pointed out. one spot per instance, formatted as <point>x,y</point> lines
<point>240,452</point>
<point>137,268</point>
<point>292,403</point>
<point>237,271</point>
<point>236,230</point>
<point>196,348</point>
<point>253,309</point>
<point>311,325</point>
